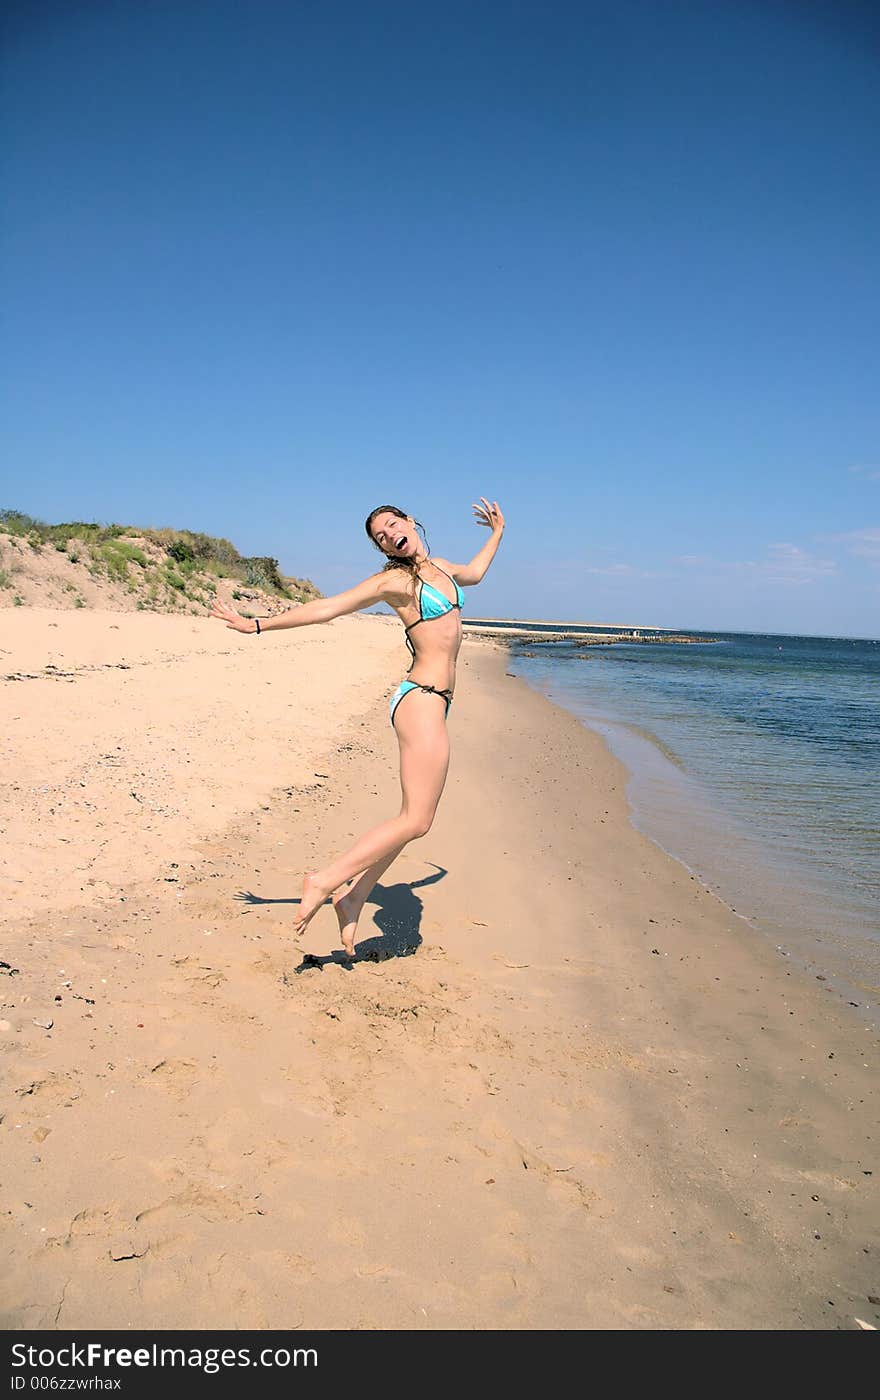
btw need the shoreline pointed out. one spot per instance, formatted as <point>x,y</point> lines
<point>562,1087</point>
<point>681,813</point>
<point>836,958</point>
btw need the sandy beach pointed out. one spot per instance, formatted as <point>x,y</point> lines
<point>562,1086</point>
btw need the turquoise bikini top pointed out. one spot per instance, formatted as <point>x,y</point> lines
<point>436,604</point>
<point>432,604</point>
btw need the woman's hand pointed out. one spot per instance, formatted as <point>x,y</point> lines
<point>232,618</point>
<point>489,513</point>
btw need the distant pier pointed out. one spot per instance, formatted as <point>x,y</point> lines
<point>581,633</point>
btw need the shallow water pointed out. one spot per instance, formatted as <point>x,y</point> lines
<point>755,759</point>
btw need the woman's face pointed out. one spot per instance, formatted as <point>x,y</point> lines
<point>395,535</point>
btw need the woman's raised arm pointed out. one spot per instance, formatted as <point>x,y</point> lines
<point>490,515</point>
<point>373,590</point>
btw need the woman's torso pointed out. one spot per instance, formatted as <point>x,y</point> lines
<point>434,632</point>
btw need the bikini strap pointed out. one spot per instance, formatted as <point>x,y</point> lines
<point>449,576</point>
<point>436,590</point>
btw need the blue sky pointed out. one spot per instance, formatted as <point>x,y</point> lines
<point>612,264</point>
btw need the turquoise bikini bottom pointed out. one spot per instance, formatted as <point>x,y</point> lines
<point>406,686</point>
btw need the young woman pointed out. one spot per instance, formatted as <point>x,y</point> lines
<point>426,595</point>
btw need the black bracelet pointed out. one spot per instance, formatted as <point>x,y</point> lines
<point>257,621</point>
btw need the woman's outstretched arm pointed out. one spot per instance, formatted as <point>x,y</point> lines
<point>489,514</point>
<point>374,589</point>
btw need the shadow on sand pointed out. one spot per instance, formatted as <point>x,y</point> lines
<point>398,916</point>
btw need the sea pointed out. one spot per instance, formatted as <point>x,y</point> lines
<point>754,759</point>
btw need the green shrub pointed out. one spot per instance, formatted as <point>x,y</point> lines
<point>15,522</point>
<point>262,572</point>
<point>181,551</point>
<point>204,547</point>
<point>18,602</point>
<point>5,579</point>
<point>131,552</point>
<point>225,553</point>
<point>191,551</point>
<point>38,533</point>
<point>117,554</point>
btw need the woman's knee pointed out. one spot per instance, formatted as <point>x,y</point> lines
<point>418,824</point>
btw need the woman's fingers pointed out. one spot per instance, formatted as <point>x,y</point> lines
<point>488,513</point>
<point>226,614</point>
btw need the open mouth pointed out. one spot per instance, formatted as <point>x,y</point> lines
<point>399,543</point>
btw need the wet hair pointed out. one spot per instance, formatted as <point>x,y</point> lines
<point>409,564</point>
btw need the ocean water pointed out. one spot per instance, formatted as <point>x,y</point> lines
<point>754,759</point>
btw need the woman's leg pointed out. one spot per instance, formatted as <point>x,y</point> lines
<point>349,902</point>
<point>420,724</point>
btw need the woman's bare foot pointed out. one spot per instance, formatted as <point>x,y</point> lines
<point>313,896</point>
<point>348,912</point>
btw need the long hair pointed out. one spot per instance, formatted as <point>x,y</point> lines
<point>409,564</point>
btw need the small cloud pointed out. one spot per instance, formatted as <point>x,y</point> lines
<point>863,543</point>
<point>785,563</point>
<point>571,570</point>
<point>788,563</point>
<point>869,473</point>
<point>629,571</point>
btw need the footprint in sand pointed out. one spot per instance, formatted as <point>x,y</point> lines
<point>346,1230</point>
<point>95,1220</point>
<point>561,1180</point>
<point>177,1077</point>
<point>51,1091</point>
<point>207,1202</point>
